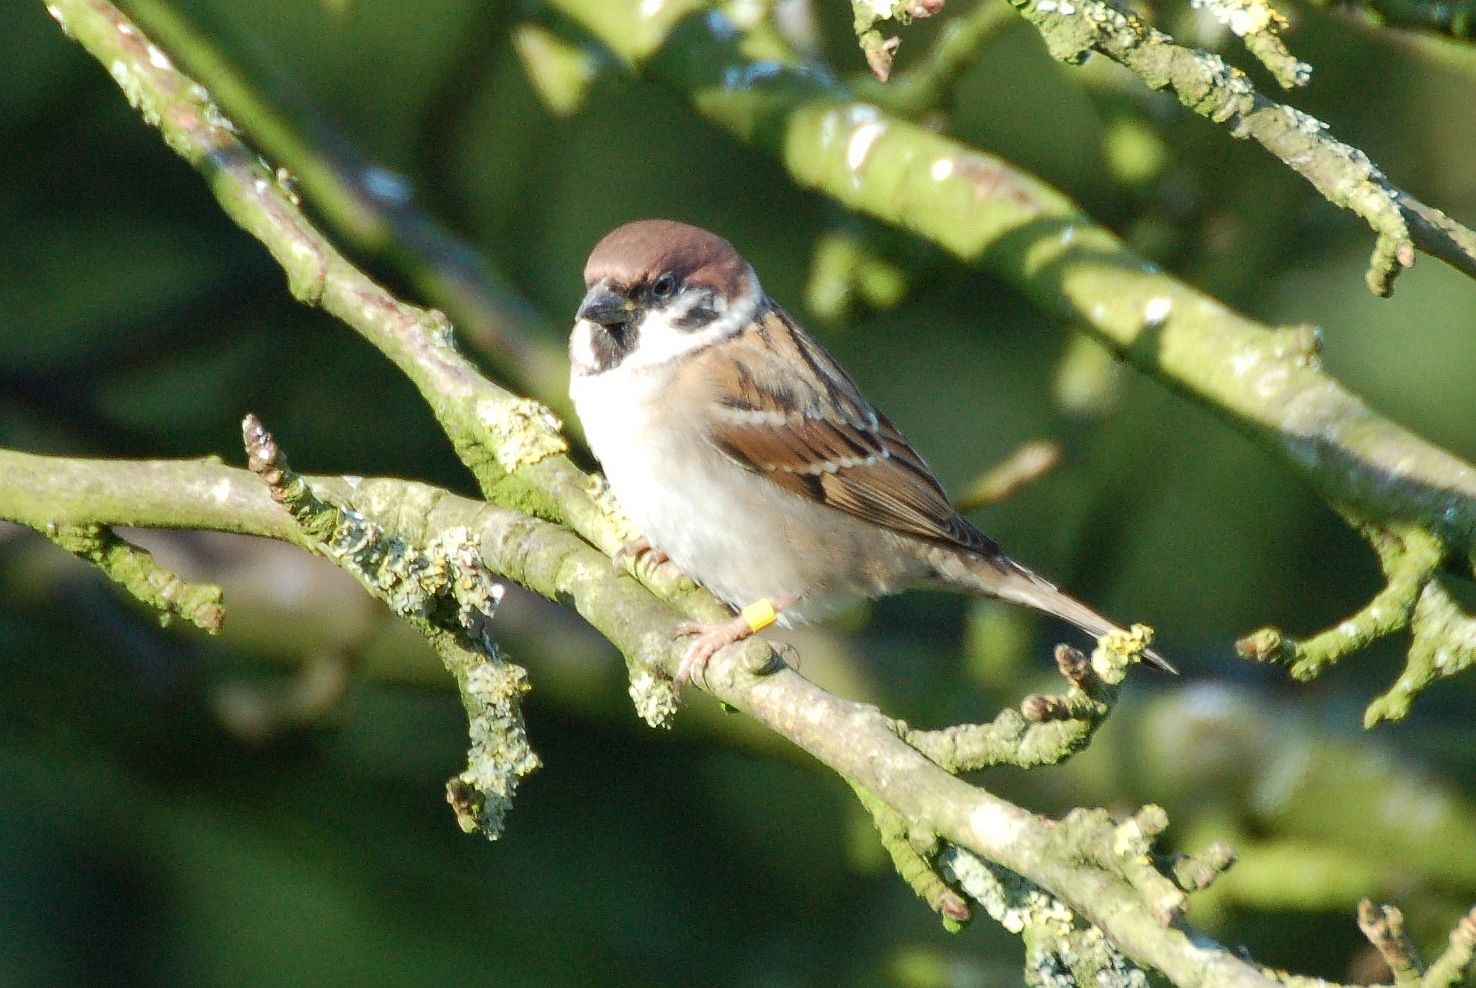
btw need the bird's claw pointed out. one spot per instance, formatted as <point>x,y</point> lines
<point>710,638</point>
<point>640,550</point>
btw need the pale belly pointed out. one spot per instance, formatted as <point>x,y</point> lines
<point>730,529</point>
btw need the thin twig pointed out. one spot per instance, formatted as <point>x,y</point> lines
<point>1082,864</point>
<point>1266,381</point>
<point>374,212</point>
<point>1207,85</point>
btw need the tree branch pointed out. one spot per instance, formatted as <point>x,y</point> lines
<point>929,84</point>
<point>1096,867</point>
<point>1204,83</point>
<point>1046,730</point>
<point>1267,382</point>
<point>512,445</point>
<point>374,212</point>
<point>135,570</point>
<point>1100,868</point>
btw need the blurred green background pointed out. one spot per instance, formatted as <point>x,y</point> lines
<point>267,808</point>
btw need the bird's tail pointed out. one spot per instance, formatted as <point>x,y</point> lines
<point>1006,579</point>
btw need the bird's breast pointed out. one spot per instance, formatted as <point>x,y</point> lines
<point>733,530</point>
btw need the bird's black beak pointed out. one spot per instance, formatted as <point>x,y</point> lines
<point>606,307</point>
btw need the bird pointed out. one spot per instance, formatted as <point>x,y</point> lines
<point>742,451</point>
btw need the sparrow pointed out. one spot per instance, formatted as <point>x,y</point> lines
<point>745,454</point>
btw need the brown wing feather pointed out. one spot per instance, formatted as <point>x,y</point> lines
<point>792,414</point>
<point>823,439</point>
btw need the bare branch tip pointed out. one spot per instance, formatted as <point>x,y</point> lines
<point>1039,708</point>
<point>1073,664</point>
<point>1267,645</point>
<point>1197,872</point>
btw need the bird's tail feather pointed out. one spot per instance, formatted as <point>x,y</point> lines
<point>1006,579</point>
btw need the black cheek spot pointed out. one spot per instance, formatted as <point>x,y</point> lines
<point>696,317</point>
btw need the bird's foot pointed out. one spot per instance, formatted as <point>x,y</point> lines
<point>641,550</point>
<point>711,637</point>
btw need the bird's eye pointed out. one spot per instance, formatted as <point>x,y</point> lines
<point>664,286</point>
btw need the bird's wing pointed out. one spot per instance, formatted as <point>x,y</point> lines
<point>790,413</point>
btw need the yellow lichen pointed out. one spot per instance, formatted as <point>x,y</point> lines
<point>528,431</point>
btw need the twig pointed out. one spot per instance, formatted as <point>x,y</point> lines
<point>444,591</point>
<point>880,50</point>
<point>913,857</point>
<point>1091,864</point>
<point>1046,730</point>
<point>1451,965</point>
<point>135,570</point>
<point>511,445</point>
<point>1207,85</point>
<point>375,212</point>
<point>1268,382</point>
<point>1197,872</point>
<point>930,83</point>
<point>1409,559</point>
<point>1025,465</point>
<point>1384,927</point>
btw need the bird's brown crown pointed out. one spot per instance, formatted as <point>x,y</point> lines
<point>640,252</point>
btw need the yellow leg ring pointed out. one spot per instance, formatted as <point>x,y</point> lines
<point>759,615</point>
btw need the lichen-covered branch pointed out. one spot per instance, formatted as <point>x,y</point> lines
<point>446,593</point>
<point>1205,84</point>
<point>1409,557</point>
<point>135,570</point>
<point>1443,635</point>
<point>1044,731</point>
<point>1058,949</point>
<point>373,211</point>
<point>1099,868</point>
<point>1197,872</point>
<point>512,445</point>
<point>1266,381</point>
<point>1444,644</point>
<point>1384,927</point>
<point>1259,25</point>
<point>1102,870</point>
<point>1451,966</point>
<point>913,854</point>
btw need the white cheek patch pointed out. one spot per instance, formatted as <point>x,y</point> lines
<point>661,339</point>
<point>581,347</point>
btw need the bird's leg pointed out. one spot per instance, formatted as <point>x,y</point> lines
<point>637,549</point>
<point>711,637</point>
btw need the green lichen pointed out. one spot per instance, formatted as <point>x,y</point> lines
<point>136,571</point>
<point>527,431</point>
<point>443,589</point>
<point>1060,950</point>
